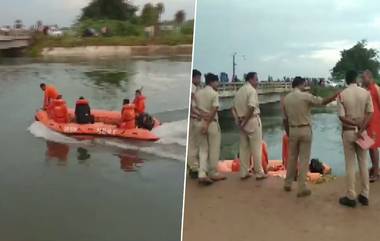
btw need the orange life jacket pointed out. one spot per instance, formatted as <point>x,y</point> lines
<point>128,116</point>
<point>50,93</point>
<point>60,113</point>
<point>139,104</point>
<point>81,102</point>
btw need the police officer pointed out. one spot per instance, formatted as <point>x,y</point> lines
<point>207,131</point>
<point>297,107</point>
<point>193,149</point>
<point>246,111</point>
<point>355,110</point>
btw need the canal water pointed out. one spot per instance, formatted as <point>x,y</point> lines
<point>326,145</point>
<point>55,187</point>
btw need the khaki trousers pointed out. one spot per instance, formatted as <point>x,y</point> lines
<point>193,147</point>
<point>250,147</point>
<point>209,148</point>
<point>352,150</point>
<point>299,149</point>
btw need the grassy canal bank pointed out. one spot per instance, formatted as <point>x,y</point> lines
<point>41,43</point>
<point>90,33</point>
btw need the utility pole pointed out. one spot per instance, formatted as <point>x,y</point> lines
<point>233,66</point>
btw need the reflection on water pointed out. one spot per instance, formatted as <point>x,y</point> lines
<point>103,78</point>
<point>130,161</point>
<point>82,155</point>
<point>58,151</point>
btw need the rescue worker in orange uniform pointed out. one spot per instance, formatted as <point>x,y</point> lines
<point>128,115</point>
<point>83,111</point>
<point>50,93</point>
<point>58,110</point>
<point>139,102</point>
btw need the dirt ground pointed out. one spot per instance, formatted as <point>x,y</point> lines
<point>235,210</point>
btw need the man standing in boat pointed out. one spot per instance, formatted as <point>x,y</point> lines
<point>297,123</point>
<point>50,93</point>
<point>193,148</point>
<point>355,110</point>
<point>207,131</point>
<point>246,112</point>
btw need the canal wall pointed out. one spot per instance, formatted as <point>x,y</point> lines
<point>123,51</point>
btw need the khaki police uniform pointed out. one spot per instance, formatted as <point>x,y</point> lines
<point>251,138</point>
<point>298,106</point>
<point>209,143</point>
<point>353,103</point>
<point>193,147</point>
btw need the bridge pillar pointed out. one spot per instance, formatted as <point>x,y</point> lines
<point>13,52</point>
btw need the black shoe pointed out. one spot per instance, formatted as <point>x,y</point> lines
<point>193,174</point>
<point>345,201</point>
<point>363,200</point>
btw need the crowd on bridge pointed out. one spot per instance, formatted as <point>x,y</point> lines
<point>358,112</point>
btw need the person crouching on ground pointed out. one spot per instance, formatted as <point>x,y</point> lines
<point>355,111</point>
<point>208,131</point>
<point>246,112</point>
<point>297,124</point>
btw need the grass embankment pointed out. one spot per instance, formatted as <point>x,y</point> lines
<point>121,33</point>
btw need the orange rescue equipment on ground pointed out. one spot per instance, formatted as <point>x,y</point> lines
<point>139,103</point>
<point>274,167</point>
<point>59,111</point>
<point>234,165</point>
<point>50,93</point>
<point>128,117</point>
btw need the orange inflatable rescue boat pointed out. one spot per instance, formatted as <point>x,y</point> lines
<point>106,124</point>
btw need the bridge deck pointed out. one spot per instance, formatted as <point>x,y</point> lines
<point>269,92</point>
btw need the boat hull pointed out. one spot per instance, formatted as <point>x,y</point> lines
<point>106,125</point>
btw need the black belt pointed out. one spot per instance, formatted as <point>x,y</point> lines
<point>200,119</point>
<point>299,126</point>
<point>347,128</point>
<point>254,116</point>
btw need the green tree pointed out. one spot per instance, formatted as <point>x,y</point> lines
<point>180,17</point>
<point>358,58</point>
<point>150,14</point>
<point>160,7</point>
<point>18,24</point>
<point>109,9</point>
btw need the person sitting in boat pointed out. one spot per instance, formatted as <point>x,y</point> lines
<point>139,102</point>
<point>58,110</point>
<point>50,93</point>
<point>128,115</point>
<point>83,111</point>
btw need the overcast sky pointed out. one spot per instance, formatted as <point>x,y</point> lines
<point>278,38</point>
<point>64,12</point>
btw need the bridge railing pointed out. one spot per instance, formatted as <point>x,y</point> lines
<point>15,33</point>
<point>234,86</point>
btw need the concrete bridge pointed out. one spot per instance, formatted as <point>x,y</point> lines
<point>13,42</point>
<point>269,92</point>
